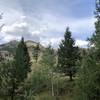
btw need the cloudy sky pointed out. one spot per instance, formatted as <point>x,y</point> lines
<point>45,21</point>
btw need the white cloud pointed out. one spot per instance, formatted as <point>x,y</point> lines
<point>81,43</point>
<point>10,38</point>
<point>56,41</point>
<point>16,28</point>
<point>36,32</point>
<point>19,29</point>
<point>53,41</point>
<point>6,38</point>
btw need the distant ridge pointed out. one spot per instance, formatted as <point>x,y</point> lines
<point>12,45</point>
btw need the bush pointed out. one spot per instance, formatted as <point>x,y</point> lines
<point>37,82</point>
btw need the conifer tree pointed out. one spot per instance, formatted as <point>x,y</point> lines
<point>88,84</point>
<point>13,73</point>
<point>22,58</point>
<point>36,52</point>
<point>67,55</point>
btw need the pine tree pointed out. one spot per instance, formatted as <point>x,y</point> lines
<point>67,55</point>
<point>88,84</point>
<point>36,52</point>
<point>22,58</point>
<point>13,73</point>
<point>22,67</point>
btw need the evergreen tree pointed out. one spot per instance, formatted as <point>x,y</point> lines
<point>88,84</point>
<point>67,55</point>
<point>13,73</point>
<point>22,68</point>
<point>36,52</point>
<point>23,64</point>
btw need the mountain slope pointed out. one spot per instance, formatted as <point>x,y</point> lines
<point>12,45</point>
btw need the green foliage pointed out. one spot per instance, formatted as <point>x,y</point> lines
<point>49,58</point>
<point>48,62</point>
<point>15,85</point>
<point>7,75</point>
<point>41,79</point>
<point>67,55</point>
<point>10,47</point>
<point>29,95</point>
<point>95,39</point>
<point>38,82</point>
<point>23,64</point>
<point>47,97</point>
<point>88,84</point>
<point>14,73</point>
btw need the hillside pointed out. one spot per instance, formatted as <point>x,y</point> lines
<point>9,49</point>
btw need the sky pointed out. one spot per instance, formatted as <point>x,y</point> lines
<point>45,21</point>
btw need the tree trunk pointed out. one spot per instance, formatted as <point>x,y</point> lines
<point>12,97</point>
<point>71,77</point>
<point>13,90</point>
<point>57,88</point>
<point>52,84</point>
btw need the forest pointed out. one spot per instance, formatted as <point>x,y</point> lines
<point>29,71</point>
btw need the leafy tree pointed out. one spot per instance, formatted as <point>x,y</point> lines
<point>48,57</point>
<point>37,82</point>
<point>49,61</point>
<point>67,55</point>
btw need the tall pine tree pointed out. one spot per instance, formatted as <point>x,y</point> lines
<point>21,66</point>
<point>67,55</point>
<point>13,73</point>
<point>22,58</point>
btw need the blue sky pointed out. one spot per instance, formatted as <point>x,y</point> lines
<point>45,21</point>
